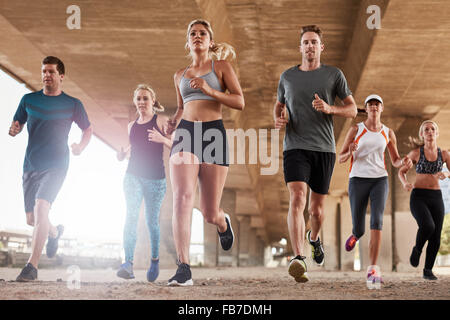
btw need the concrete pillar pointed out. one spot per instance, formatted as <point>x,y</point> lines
<point>268,257</point>
<point>252,247</point>
<point>244,241</point>
<point>261,252</point>
<point>330,234</point>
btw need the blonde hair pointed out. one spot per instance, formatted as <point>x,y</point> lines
<point>219,51</point>
<point>418,142</point>
<point>157,107</point>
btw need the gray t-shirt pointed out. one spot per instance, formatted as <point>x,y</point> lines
<point>309,129</point>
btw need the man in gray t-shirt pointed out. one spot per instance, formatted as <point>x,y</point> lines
<point>305,105</point>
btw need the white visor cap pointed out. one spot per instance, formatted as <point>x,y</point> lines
<point>373,97</point>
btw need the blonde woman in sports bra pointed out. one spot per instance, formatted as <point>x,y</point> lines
<point>365,144</point>
<point>200,150</point>
<point>426,203</point>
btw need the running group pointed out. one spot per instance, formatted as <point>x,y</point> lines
<point>305,107</point>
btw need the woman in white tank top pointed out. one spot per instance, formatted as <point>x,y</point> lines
<point>365,145</point>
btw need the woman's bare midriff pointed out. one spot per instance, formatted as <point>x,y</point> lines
<point>202,110</point>
<point>426,181</point>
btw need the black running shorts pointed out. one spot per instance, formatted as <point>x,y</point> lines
<point>206,140</point>
<point>313,167</point>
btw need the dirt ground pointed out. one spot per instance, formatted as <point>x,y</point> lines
<point>244,283</point>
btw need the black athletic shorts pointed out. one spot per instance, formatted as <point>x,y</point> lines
<point>206,140</point>
<point>42,185</point>
<point>313,167</point>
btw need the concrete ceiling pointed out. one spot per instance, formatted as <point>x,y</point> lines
<point>121,44</point>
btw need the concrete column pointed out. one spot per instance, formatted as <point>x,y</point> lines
<point>330,234</point>
<point>252,247</point>
<point>268,258</point>
<point>261,252</point>
<point>244,241</point>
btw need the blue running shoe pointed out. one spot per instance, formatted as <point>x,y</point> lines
<point>52,243</point>
<point>126,271</point>
<point>153,272</point>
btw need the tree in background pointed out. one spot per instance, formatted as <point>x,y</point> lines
<point>445,236</point>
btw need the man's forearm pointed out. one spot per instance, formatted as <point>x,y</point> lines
<point>86,137</point>
<point>277,110</point>
<point>346,111</point>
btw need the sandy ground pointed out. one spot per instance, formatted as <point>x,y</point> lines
<point>245,283</point>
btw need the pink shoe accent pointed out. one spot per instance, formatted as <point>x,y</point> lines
<point>350,243</point>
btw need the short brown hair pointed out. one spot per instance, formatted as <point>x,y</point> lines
<point>311,28</point>
<point>57,61</point>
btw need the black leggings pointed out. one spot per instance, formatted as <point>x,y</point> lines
<point>427,207</point>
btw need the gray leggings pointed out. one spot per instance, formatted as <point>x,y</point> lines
<point>360,190</point>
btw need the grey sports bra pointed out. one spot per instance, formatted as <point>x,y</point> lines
<point>189,94</point>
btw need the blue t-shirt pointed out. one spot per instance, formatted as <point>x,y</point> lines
<point>49,119</point>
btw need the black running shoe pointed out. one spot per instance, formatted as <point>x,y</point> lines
<point>415,257</point>
<point>52,243</point>
<point>28,273</point>
<point>316,249</point>
<point>297,269</point>
<point>428,275</point>
<point>227,237</point>
<point>183,276</point>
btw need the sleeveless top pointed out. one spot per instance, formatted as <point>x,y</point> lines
<point>429,167</point>
<point>146,159</point>
<point>189,94</point>
<point>368,160</point>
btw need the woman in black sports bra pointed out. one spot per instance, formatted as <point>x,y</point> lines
<point>200,151</point>
<point>426,203</point>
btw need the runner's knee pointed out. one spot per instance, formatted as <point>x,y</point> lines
<point>297,198</point>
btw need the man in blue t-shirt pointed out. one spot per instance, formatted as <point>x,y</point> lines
<point>306,106</point>
<point>49,114</point>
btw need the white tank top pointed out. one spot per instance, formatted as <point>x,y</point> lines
<point>368,160</point>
